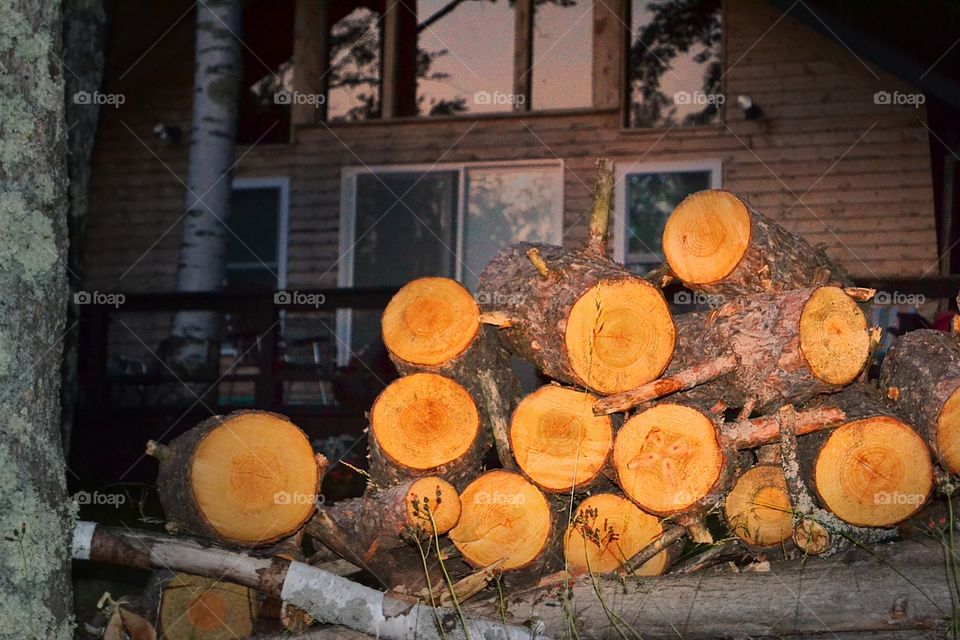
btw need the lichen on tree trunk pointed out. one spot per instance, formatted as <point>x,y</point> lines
<point>36,516</point>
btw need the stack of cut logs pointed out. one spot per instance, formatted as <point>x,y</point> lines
<point>753,415</point>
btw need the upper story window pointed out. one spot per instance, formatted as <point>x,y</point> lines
<point>353,78</point>
<point>675,64</point>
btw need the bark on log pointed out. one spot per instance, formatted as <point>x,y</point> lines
<point>580,317</point>
<point>717,243</point>
<point>249,478</point>
<point>887,591</point>
<point>321,594</point>
<point>792,346</point>
<point>873,470</point>
<point>921,377</point>
<point>425,424</point>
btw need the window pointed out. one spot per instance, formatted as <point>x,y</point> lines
<point>266,50</point>
<point>257,237</point>
<point>645,197</point>
<point>675,65</point>
<point>401,223</point>
<point>562,55</point>
<point>353,91</point>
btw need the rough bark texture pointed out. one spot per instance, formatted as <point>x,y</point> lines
<point>763,331</point>
<point>539,305</point>
<point>36,515</point>
<point>84,25</point>
<point>775,260</point>
<point>918,375</point>
<point>202,262</point>
<point>385,472</point>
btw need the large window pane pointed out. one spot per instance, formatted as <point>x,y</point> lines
<point>465,56</point>
<point>675,62</point>
<point>505,205</point>
<point>252,239</point>
<point>651,197</point>
<point>354,77</point>
<point>562,54</point>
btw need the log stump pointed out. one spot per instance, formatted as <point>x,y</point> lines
<point>606,532</point>
<point>557,441</point>
<point>425,424</point>
<point>716,243</point>
<point>921,378</point>
<point>757,510</point>
<point>198,608</point>
<point>580,317</point>
<point>249,478</point>
<point>507,519</point>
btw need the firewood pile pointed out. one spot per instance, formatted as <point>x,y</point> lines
<point>748,427</point>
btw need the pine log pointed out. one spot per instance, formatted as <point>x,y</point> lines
<point>199,608</point>
<point>921,377</point>
<point>432,325</point>
<point>717,243</point>
<point>791,346</point>
<point>680,459</point>
<point>757,510</point>
<point>606,532</point>
<point>249,478</point>
<point>580,318</point>
<point>873,470</point>
<point>505,518</point>
<point>425,424</point>
<point>558,443</point>
<point>321,594</point>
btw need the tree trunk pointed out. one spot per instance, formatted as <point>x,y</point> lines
<point>580,317</point>
<point>84,25</point>
<point>717,243</point>
<point>36,515</point>
<point>249,478</point>
<point>202,263</point>
<point>921,377</point>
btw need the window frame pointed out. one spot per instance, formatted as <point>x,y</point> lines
<point>281,183</point>
<point>348,220</point>
<point>623,170</point>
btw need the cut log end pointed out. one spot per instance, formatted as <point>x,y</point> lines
<point>948,433</point>
<point>430,321</point>
<point>619,335</point>
<point>758,508</point>
<point>873,472</point>
<point>606,532</point>
<point>423,421</point>
<point>833,336</point>
<point>706,236</point>
<point>433,505</point>
<point>504,517</point>
<point>557,441</point>
<point>668,458</point>
<point>811,537</point>
<point>254,478</point>
<point>196,608</point>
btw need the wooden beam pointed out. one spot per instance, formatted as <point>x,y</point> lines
<point>522,53</point>
<point>399,83</point>
<point>311,31</point>
<point>609,51</point>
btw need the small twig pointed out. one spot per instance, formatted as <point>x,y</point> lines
<point>860,294</point>
<point>664,540</point>
<point>602,199</point>
<point>538,263</point>
<point>497,319</point>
